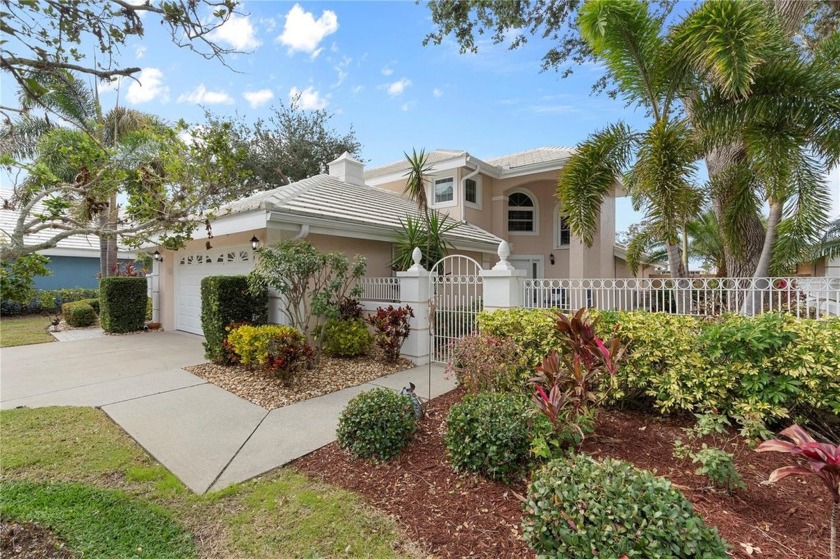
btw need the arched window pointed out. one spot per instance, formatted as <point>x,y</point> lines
<point>521,213</point>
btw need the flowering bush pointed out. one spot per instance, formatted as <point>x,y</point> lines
<point>392,328</point>
<point>481,362</point>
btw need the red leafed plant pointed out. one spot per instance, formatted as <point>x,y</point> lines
<point>566,384</point>
<point>392,328</point>
<point>820,459</point>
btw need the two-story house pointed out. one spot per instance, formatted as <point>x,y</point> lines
<point>359,212</point>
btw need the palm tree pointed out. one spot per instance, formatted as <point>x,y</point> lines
<point>415,188</point>
<point>705,241</point>
<point>72,101</point>
<point>782,108</point>
<point>658,163</point>
<point>413,234</point>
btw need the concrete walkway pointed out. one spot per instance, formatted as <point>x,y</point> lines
<point>78,334</point>
<point>206,436</point>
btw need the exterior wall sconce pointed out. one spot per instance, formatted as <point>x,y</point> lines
<point>157,256</point>
<point>255,242</point>
<point>551,258</point>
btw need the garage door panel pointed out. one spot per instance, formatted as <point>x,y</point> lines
<point>191,268</point>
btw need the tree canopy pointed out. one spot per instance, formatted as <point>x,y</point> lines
<point>44,36</point>
<point>290,145</point>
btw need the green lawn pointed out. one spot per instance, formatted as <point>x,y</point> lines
<point>24,330</point>
<point>73,470</point>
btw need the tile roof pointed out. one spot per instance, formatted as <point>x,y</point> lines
<point>326,197</point>
<point>531,157</point>
<point>432,157</point>
<point>517,160</point>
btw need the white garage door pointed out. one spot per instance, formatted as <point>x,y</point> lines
<point>191,268</point>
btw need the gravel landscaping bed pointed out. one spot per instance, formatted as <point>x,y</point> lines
<point>268,391</point>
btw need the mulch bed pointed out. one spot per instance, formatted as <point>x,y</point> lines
<point>30,541</point>
<point>465,516</point>
<point>268,391</point>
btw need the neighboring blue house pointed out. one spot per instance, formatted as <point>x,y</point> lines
<point>74,262</point>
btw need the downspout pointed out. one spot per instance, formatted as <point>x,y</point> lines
<point>464,191</point>
<point>303,233</point>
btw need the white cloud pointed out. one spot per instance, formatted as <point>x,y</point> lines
<point>139,52</point>
<point>302,32</point>
<point>438,93</point>
<point>238,33</point>
<point>398,87</point>
<point>258,98</point>
<point>387,71</point>
<point>203,95</point>
<point>341,70</point>
<point>268,23</point>
<point>148,86</point>
<point>405,107</point>
<point>107,86</point>
<point>357,89</point>
<point>308,99</point>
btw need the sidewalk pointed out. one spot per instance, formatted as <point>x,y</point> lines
<point>211,438</point>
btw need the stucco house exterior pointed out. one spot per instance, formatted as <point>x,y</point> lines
<point>358,212</point>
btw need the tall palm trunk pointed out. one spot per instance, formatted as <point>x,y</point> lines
<point>742,247</point>
<point>675,262</point>
<point>754,300</point>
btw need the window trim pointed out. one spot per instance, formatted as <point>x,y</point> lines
<point>536,213</point>
<point>556,241</point>
<point>448,204</point>
<point>478,193</point>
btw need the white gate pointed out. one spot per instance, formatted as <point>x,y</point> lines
<point>455,300</point>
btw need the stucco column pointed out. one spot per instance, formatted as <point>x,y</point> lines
<point>414,292</point>
<point>502,285</point>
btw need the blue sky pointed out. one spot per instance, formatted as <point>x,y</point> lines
<point>365,62</point>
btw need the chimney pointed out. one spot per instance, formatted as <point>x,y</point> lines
<point>347,169</point>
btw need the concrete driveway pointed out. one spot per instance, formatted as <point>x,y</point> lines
<point>203,434</point>
<point>97,371</point>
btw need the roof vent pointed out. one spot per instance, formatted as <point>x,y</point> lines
<point>347,169</point>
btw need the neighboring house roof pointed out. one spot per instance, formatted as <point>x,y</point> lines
<point>324,197</point>
<point>77,245</point>
<point>537,159</point>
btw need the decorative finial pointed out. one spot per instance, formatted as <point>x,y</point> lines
<point>503,252</point>
<point>416,256</point>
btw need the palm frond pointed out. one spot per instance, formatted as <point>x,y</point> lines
<point>415,185</point>
<point>20,138</point>
<point>829,245</point>
<point>590,175</point>
<point>726,41</point>
<point>68,96</point>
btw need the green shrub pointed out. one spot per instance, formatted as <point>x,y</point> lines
<point>532,330</point>
<point>274,347</point>
<point>346,338</point>
<point>761,370</point>
<point>47,300</point>
<point>226,300</point>
<point>482,362</point>
<point>122,302</point>
<point>376,425</point>
<point>578,507</point>
<point>489,433</point>
<point>78,314</point>
<point>92,302</point>
<point>718,466</point>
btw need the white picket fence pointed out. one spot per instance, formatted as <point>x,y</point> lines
<point>804,297</point>
<point>385,289</point>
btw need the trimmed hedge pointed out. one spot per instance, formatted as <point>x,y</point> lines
<point>47,301</point>
<point>376,425</point>
<point>765,370</point>
<point>92,302</point>
<point>78,314</point>
<point>122,302</point>
<point>346,338</point>
<point>226,300</point>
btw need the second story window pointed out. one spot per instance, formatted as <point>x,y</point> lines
<point>444,190</point>
<point>471,191</point>
<point>520,213</point>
